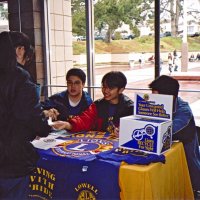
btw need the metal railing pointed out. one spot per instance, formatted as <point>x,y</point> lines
<point>98,87</point>
<point>192,99</point>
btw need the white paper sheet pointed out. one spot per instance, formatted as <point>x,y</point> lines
<point>47,142</point>
<point>60,133</point>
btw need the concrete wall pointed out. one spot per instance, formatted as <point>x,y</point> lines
<point>107,58</point>
<point>60,41</point>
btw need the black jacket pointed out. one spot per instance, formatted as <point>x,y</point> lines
<point>124,108</point>
<point>60,101</point>
<point>21,121</point>
<point>96,116</point>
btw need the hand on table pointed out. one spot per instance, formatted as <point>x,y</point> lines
<point>116,132</point>
<point>53,113</point>
<point>60,125</point>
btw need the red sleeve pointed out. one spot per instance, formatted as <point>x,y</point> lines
<point>86,120</point>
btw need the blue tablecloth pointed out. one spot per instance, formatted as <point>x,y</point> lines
<point>71,170</point>
<point>85,166</point>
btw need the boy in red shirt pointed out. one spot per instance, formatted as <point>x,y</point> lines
<point>104,114</point>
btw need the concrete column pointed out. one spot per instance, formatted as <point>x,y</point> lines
<point>26,16</point>
<point>184,51</point>
<point>184,57</point>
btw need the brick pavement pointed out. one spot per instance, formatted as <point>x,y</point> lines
<point>139,78</point>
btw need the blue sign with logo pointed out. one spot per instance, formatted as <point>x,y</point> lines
<point>144,138</point>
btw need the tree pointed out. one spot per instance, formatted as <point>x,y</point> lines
<point>78,17</point>
<point>174,9</point>
<point>106,15</point>
<point>111,14</point>
<point>78,23</point>
<point>3,11</point>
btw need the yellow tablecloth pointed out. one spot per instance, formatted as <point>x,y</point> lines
<point>157,181</point>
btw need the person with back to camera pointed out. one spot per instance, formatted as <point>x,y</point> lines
<point>104,114</point>
<point>192,58</point>
<point>174,53</point>
<point>198,57</point>
<point>183,126</point>
<point>142,59</point>
<point>21,121</point>
<point>73,101</point>
<point>170,62</point>
<point>175,60</point>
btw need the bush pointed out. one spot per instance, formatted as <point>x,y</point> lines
<point>146,39</point>
<point>117,36</point>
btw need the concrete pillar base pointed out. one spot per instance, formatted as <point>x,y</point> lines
<point>184,57</point>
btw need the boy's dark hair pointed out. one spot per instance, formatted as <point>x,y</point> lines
<point>114,79</point>
<point>76,72</point>
<point>165,85</point>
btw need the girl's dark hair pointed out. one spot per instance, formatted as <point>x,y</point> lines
<point>7,55</point>
<point>76,72</point>
<point>21,39</point>
<point>114,79</point>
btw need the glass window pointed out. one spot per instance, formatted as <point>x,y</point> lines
<point>4,16</point>
<point>123,35</point>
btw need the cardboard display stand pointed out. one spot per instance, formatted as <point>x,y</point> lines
<point>150,128</point>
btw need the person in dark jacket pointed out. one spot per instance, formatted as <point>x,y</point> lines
<point>22,45</point>
<point>21,121</point>
<point>104,114</point>
<point>25,55</point>
<point>183,126</point>
<point>24,51</point>
<point>73,101</point>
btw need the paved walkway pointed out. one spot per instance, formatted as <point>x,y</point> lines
<point>194,84</point>
<point>140,77</point>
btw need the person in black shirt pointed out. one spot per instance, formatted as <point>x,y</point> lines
<point>21,121</point>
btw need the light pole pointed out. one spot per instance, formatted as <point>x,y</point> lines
<point>184,50</point>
